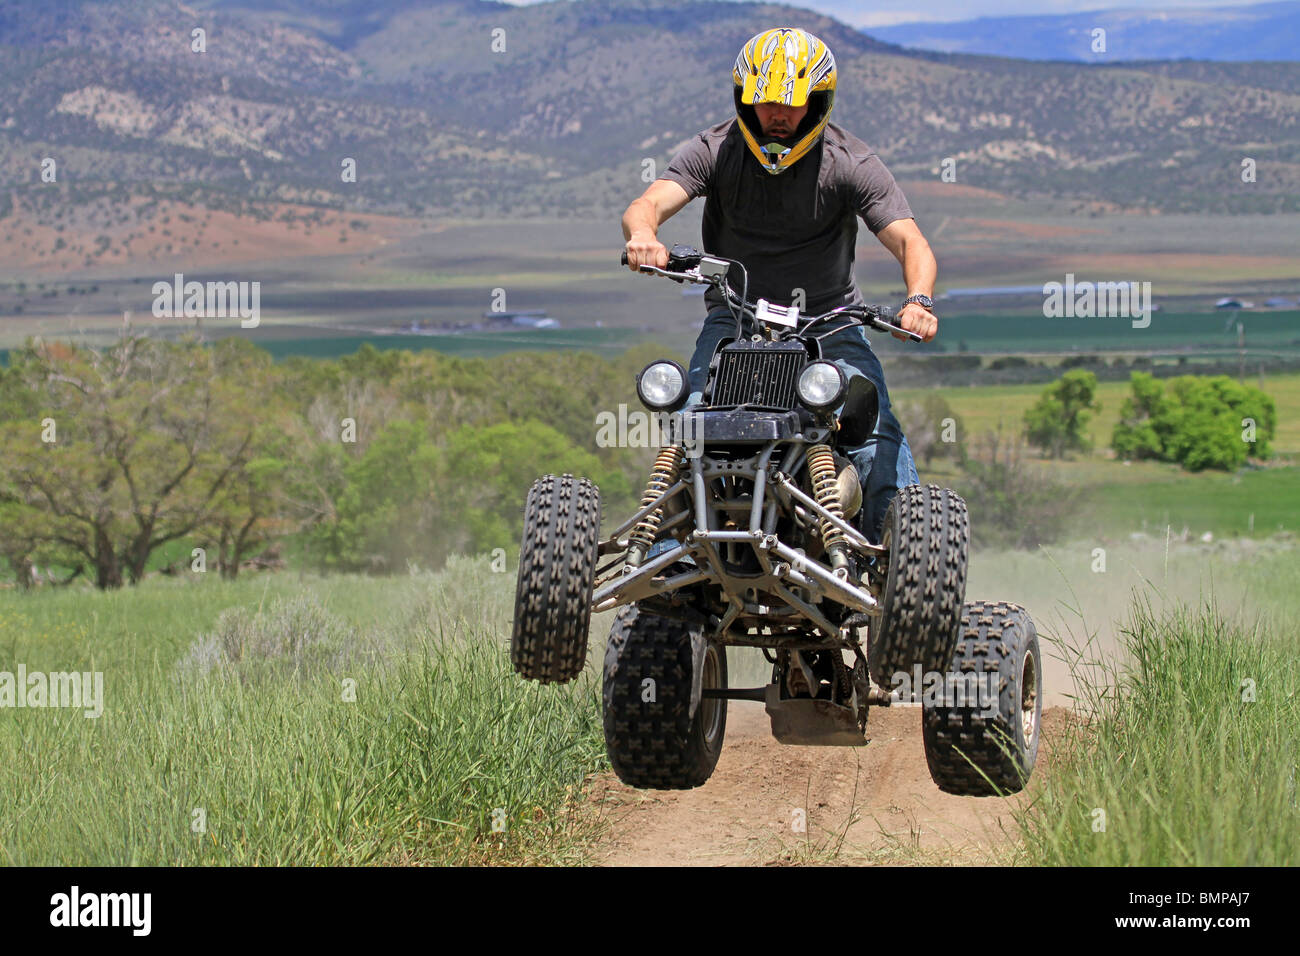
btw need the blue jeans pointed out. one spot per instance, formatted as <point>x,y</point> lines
<point>884,462</point>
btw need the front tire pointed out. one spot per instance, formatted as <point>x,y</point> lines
<point>653,739</point>
<point>988,748</point>
<point>927,536</point>
<point>557,570</point>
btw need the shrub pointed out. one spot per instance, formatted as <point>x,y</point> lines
<point>1058,421</point>
<point>1199,422</point>
<point>294,633</point>
<point>926,424</point>
<point>1012,504</point>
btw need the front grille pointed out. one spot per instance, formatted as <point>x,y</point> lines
<point>758,373</point>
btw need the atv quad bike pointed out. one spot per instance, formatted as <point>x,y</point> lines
<point>746,537</point>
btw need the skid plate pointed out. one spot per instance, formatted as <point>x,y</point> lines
<point>812,723</point>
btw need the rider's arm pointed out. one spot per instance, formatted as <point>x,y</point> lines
<point>689,174</point>
<point>662,200</point>
<point>903,239</point>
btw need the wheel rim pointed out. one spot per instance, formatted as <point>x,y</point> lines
<point>1028,698</point>
<point>711,708</point>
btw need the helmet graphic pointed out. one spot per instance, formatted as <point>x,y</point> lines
<point>790,66</point>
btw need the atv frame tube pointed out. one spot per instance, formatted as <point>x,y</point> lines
<point>782,567</point>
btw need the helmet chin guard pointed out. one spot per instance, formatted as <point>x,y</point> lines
<point>791,67</point>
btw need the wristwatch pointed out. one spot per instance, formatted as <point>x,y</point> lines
<point>924,301</point>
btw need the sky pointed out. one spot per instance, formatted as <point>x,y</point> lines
<point>888,12</point>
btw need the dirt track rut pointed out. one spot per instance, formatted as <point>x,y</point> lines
<point>872,804</point>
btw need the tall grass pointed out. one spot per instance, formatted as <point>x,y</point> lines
<point>1185,756</point>
<point>243,745</point>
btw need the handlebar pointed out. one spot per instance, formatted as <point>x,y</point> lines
<point>684,266</point>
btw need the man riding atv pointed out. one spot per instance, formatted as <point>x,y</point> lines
<point>784,186</point>
<point>744,537</point>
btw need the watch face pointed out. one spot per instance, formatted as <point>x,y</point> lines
<point>924,301</point>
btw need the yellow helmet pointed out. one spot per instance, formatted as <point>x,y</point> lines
<point>790,66</point>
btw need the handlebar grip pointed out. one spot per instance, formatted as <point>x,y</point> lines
<point>623,261</point>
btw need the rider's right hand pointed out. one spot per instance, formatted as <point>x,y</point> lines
<point>646,250</point>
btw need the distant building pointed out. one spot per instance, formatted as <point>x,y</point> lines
<point>528,318</point>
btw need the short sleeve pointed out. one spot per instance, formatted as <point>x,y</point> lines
<point>875,195</point>
<point>692,167</point>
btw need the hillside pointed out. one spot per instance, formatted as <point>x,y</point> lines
<point>561,119</point>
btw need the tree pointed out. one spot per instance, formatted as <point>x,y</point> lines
<point>1143,420</point>
<point>932,428</point>
<point>408,499</point>
<point>1013,504</point>
<point>489,470</point>
<point>124,450</point>
<point>253,507</point>
<point>1058,421</point>
<point>1199,422</point>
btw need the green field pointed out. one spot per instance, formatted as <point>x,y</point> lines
<point>443,756</point>
<point>227,736</point>
<point>1146,496</point>
<point>1191,334</point>
<point>984,407</point>
<point>229,699</point>
<point>1204,708</point>
<point>1169,331</point>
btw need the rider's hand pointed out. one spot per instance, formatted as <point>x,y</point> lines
<point>915,318</point>
<point>645,250</point>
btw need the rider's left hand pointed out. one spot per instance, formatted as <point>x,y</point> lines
<point>915,318</point>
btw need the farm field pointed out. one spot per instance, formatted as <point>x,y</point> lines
<point>1145,497</point>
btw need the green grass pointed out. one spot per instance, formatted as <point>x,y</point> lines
<point>253,730</point>
<point>609,342</point>
<point>440,736</point>
<point>1146,496</point>
<point>1254,503</point>
<point>984,408</point>
<point>1187,757</point>
<point>1030,331</point>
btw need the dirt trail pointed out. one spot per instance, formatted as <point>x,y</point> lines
<point>746,813</point>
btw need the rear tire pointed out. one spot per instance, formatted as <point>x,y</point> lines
<point>557,569</point>
<point>653,740</point>
<point>997,642</point>
<point>928,537</point>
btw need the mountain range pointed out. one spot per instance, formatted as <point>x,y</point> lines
<point>1262,31</point>
<point>480,109</point>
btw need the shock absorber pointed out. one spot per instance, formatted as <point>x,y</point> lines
<point>826,492</point>
<point>662,475</point>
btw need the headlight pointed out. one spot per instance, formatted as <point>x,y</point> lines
<point>661,386</point>
<point>821,386</point>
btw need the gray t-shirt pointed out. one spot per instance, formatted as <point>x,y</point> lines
<point>794,230</point>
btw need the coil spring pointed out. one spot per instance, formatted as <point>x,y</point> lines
<point>826,491</point>
<point>668,461</point>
